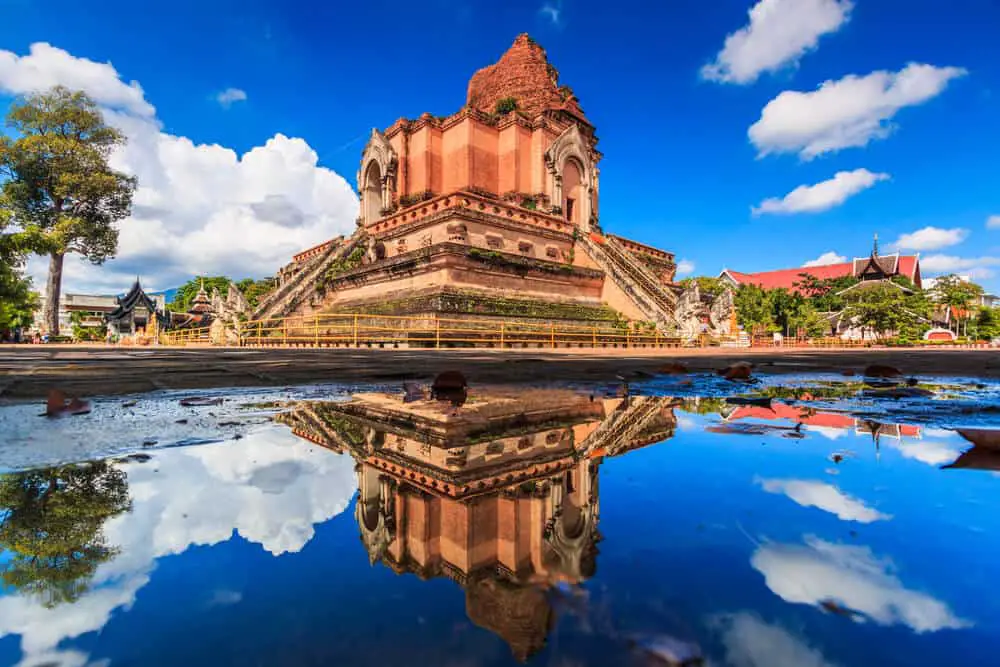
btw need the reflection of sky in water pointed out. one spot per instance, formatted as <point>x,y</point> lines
<point>759,548</point>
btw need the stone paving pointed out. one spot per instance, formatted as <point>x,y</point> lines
<point>29,371</point>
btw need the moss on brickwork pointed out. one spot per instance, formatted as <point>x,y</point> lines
<point>520,265</point>
<point>470,303</point>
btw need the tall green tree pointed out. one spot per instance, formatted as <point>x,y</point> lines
<point>52,525</point>
<point>17,301</point>
<point>754,309</point>
<point>58,189</point>
<point>883,308</point>
<point>958,295</point>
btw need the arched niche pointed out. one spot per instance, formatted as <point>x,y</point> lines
<point>371,191</point>
<point>376,177</point>
<point>573,177</point>
<point>573,190</point>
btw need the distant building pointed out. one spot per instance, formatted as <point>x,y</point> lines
<point>985,300</point>
<point>93,308</point>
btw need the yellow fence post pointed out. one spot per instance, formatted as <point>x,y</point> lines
<point>316,330</point>
<point>284,332</point>
<point>503,327</point>
<point>552,335</point>
<point>355,335</point>
<point>437,331</point>
<point>628,336</point>
<point>594,332</point>
<point>259,325</point>
<point>656,338</point>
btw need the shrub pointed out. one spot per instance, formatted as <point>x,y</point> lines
<point>506,105</point>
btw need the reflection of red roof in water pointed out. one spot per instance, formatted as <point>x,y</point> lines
<point>820,419</point>
<point>792,413</point>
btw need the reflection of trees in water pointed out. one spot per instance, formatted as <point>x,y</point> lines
<point>52,521</point>
<point>704,405</point>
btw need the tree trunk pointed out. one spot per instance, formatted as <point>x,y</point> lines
<point>53,293</point>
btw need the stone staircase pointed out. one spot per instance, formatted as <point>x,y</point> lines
<point>624,425</point>
<point>284,300</point>
<point>656,301</point>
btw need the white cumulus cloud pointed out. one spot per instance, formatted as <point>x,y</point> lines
<point>845,113</point>
<point>829,257</point>
<point>270,488</point>
<point>227,97</point>
<point>751,642</point>
<point>779,33</point>
<point>199,208</point>
<point>931,452</point>
<point>931,238</point>
<point>940,263</point>
<point>853,577</point>
<point>825,497</point>
<point>685,267</point>
<point>993,222</point>
<point>821,196</point>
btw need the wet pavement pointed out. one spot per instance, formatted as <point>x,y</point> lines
<point>30,371</point>
<point>800,520</point>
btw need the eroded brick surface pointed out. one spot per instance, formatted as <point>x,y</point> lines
<point>525,74</point>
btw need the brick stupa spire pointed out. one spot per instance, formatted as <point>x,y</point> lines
<point>523,73</point>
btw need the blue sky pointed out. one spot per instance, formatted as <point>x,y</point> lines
<point>915,146</point>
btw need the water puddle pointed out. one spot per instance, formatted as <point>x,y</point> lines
<point>805,521</point>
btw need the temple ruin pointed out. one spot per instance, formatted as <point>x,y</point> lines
<point>492,211</point>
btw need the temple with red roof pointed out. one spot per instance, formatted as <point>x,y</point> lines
<point>873,267</point>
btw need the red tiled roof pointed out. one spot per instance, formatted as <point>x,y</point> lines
<point>787,278</point>
<point>907,265</point>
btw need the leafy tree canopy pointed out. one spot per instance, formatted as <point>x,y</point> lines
<point>58,190</point>
<point>254,290</point>
<point>707,284</point>
<point>53,527</point>
<point>883,308</point>
<point>825,292</point>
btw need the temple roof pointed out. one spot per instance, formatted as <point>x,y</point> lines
<point>201,303</point>
<point>903,265</point>
<point>523,73</point>
<point>135,297</point>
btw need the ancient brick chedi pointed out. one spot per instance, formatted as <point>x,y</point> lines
<point>491,211</point>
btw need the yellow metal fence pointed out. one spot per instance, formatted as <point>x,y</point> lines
<point>198,335</point>
<point>357,330</point>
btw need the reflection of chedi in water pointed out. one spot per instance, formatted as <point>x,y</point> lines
<point>500,495</point>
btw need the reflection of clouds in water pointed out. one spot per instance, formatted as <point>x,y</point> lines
<point>828,432</point>
<point>750,642</point>
<point>57,658</point>
<point>271,488</point>
<point>825,497</point>
<point>931,452</point>
<point>686,423</point>
<point>853,577</point>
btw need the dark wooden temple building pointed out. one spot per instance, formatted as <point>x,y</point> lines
<point>135,312</point>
